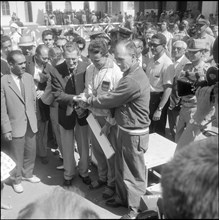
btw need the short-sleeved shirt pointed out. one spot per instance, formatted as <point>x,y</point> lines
<point>102,81</point>
<point>160,73</point>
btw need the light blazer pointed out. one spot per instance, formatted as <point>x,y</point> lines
<point>15,111</point>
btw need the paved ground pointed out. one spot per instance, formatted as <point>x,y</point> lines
<point>50,178</point>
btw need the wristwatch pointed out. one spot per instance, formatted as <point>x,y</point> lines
<point>159,109</point>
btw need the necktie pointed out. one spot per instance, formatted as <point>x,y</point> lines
<point>22,87</point>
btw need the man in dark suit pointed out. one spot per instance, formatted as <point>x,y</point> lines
<point>179,49</point>
<point>141,59</point>
<point>6,47</point>
<point>68,82</point>
<point>18,118</point>
<point>40,69</point>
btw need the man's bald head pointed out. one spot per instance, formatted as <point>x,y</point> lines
<point>42,55</point>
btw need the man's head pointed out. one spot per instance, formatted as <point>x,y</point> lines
<point>196,49</point>
<point>17,62</point>
<point>164,26</point>
<point>6,45</point>
<point>125,54</point>
<point>98,52</point>
<point>61,42</point>
<point>48,38</point>
<point>42,55</point>
<point>139,46</point>
<point>59,204</point>
<point>55,55</point>
<point>157,44</point>
<point>14,27</point>
<point>80,41</point>
<point>179,49</point>
<point>71,55</point>
<point>190,182</point>
<point>27,45</point>
<point>201,26</point>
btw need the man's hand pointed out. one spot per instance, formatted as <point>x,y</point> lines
<point>204,106</point>
<point>7,136</point>
<point>105,129</point>
<point>156,116</point>
<point>39,93</point>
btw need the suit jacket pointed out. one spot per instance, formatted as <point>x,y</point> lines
<point>64,87</point>
<point>5,69</point>
<point>174,98</point>
<point>15,111</point>
<point>45,85</point>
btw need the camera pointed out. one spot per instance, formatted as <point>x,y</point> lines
<point>187,86</point>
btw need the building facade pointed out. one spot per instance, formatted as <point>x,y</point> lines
<point>33,11</point>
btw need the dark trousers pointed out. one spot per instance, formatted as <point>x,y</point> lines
<point>157,126</point>
<point>23,152</point>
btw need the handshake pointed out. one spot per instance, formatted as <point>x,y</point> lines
<point>82,101</point>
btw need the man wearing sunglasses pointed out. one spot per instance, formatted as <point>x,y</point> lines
<point>160,71</point>
<point>179,50</point>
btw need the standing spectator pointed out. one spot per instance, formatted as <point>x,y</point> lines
<point>195,71</point>
<point>67,82</point>
<point>84,17</point>
<point>19,125</point>
<point>93,18</point>
<point>14,35</point>
<point>120,17</point>
<point>46,19</point>
<point>39,68</point>
<point>202,26</point>
<point>48,38</point>
<point>6,47</point>
<point>27,45</point>
<point>142,60</point>
<point>160,71</point>
<point>180,60</point>
<point>131,102</point>
<point>168,36</point>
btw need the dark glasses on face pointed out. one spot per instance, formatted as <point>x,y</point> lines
<point>153,44</point>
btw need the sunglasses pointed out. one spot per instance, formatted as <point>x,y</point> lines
<point>177,48</point>
<point>153,44</point>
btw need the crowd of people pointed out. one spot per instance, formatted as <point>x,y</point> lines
<point>132,81</point>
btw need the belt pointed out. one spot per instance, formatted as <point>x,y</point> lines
<point>135,131</point>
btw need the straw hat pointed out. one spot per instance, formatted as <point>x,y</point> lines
<point>26,41</point>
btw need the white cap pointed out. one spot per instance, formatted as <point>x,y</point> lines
<point>14,25</point>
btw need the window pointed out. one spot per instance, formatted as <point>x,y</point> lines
<point>49,6</point>
<point>5,8</point>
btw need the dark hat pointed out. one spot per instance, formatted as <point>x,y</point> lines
<point>71,32</point>
<point>99,34</point>
<point>125,32</point>
<point>56,31</point>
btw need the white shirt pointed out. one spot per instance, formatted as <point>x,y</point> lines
<point>16,80</point>
<point>140,60</point>
<point>38,70</point>
<point>178,61</point>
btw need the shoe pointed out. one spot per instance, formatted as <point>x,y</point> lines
<point>130,215</point>
<point>86,179</point>
<point>33,179</point>
<point>97,184</point>
<point>18,188</point>
<point>61,167</point>
<point>113,203</point>
<point>44,160</point>
<point>108,192</point>
<point>67,182</point>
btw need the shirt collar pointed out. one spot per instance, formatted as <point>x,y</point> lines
<point>14,76</point>
<point>108,64</point>
<point>180,59</point>
<point>161,58</point>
